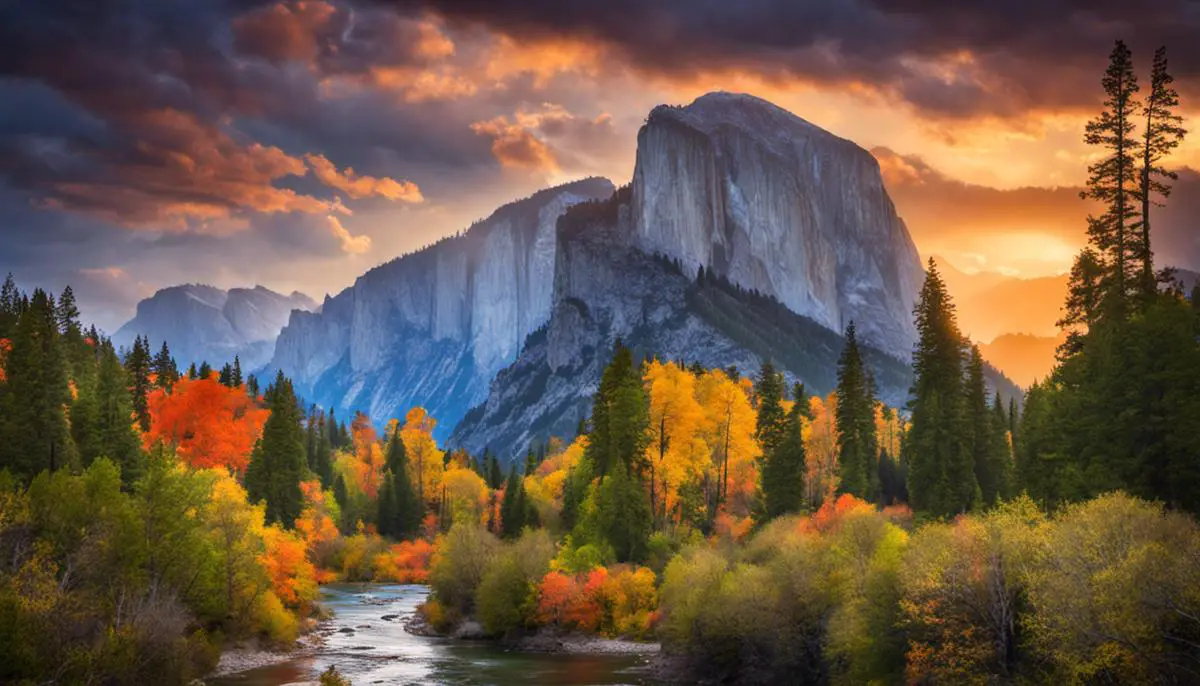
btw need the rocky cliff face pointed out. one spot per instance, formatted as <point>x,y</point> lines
<point>433,327</point>
<point>605,289</point>
<point>204,323</point>
<point>778,205</point>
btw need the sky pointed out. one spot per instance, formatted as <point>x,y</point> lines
<point>146,143</point>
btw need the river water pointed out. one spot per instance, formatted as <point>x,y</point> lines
<point>367,643</point>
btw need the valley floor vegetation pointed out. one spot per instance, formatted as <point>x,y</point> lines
<point>149,516</point>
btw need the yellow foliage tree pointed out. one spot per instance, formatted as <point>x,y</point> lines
<point>425,459</point>
<point>676,451</point>
<point>728,429</point>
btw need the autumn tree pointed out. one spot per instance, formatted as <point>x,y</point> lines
<point>941,476</point>
<point>728,429</point>
<point>676,453</point>
<point>207,424</point>
<point>425,463</point>
<point>857,445</point>
<point>277,463</point>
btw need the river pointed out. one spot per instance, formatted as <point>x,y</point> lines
<point>367,643</point>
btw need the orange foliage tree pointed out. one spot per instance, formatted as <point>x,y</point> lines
<point>210,425</point>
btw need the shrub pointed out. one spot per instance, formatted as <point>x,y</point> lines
<point>463,557</point>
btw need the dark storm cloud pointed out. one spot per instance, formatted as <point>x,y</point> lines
<point>947,58</point>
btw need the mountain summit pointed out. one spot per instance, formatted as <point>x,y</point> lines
<point>744,188</point>
<point>515,317</point>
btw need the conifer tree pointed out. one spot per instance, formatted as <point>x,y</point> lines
<point>941,472</point>
<point>235,373</point>
<point>192,372</point>
<point>277,465</point>
<point>783,470</point>
<point>252,386</point>
<point>1113,179</point>
<point>857,445</point>
<point>205,371</point>
<point>771,421</point>
<point>512,507</point>
<point>1001,453</point>
<point>620,416</point>
<point>67,314</point>
<point>403,512</point>
<point>137,369</point>
<point>1163,132</point>
<point>225,376</point>
<point>323,462</point>
<point>10,306</point>
<point>34,433</point>
<point>166,374</point>
<point>623,514</point>
<point>980,439</point>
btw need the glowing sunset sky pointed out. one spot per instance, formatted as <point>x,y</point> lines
<point>296,144</point>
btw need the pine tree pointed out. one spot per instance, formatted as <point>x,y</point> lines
<point>205,371</point>
<point>1001,453</point>
<point>10,306</point>
<point>941,472</point>
<point>137,369</point>
<point>512,507</point>
<point>277,465</point>
<point>980,438</point>
<point>771,421</point>
<point>1112,180</point>
<point>34,433</point>
<point>192,373</point>
<point>403,512</point>
<point>385,505</point>
<point>67,314</point>
<point>323,462</point>
<point>252,386</point>
<point>495,475</point>
<point>166,374</point>
<point>1163,132</point>
<point>235,376</point>
<point>225,376</point>
<point>857,444</point>
<point>620,416</point>
<point>783,470</point>
<point>623,514</point>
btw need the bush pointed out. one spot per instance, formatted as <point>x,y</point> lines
<point>507,595</point>
<point>463,557</point>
